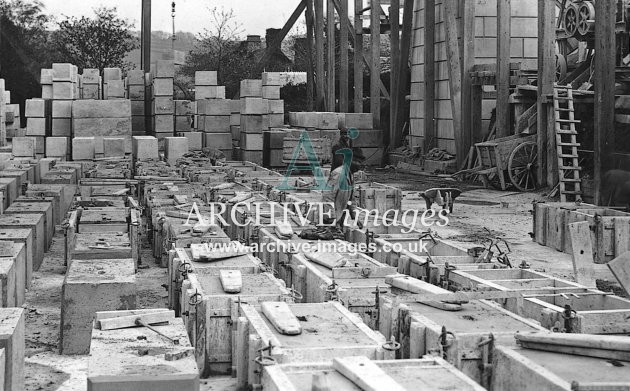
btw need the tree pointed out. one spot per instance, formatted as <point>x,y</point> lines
<point>101,42</point>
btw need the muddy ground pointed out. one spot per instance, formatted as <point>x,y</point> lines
<point>506,214</point>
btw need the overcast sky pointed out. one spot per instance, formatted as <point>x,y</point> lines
<point>192,15</point>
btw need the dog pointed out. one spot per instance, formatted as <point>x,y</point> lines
<point>616,189</point>
<point>444,197</point>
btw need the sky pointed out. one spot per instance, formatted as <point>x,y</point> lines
<point>191,15</point>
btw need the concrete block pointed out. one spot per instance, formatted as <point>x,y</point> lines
<point>276,106</point>
<point>254,106</point>
<point>62,72</point>
<point>12,342</point>
<point>24,254</point>
<point>47,91</point>
<point>91,286</point>
<point>63,90</point>
<point>358,120</point>
<point>235,119</point>
<point>163,87</point>
<point>251,141</point>
<point>251,88</point>
<point>314,120</point>
<point>138,124</point>
<point>276,120</point>
<point>165,68</point>
<point>216,124</point>
<point>62,109</point>
<point>36,126</point>
<point>206,78</point>
<point>164,123</point>
<point>112,74</point>
<point>83,148</point>
<point>252,123</point>
<point>10,190</point>
<point>135,77</point>
<point>145,148</point>
<point>195,140</point>
<point>183,124</point>
<point>61,127</point>
<point>45,209</point>
<point>220,141</point>
<point>137,108</point>
<point>235,106</point>
<point>23,147</point>
<point>91,76</point>
<point>163,105</point>
<point>184,107</point>
<point>57,147</point>
<point>114,147</point>
<point>220,107</point>
<point>13,273</point>
<point>34,222</point>
<point>136,92</point>
<point>369,138</point>
<point>90,109</point>
<point>35,108</point>
<point>175,148</point>
<point>115,89</point>
<point>271,92</point>
<point>46,76</point>
<point>103,127</point>
<point>62,195</point>
<point>273,139</point>
<point>91,91</point>
<point>251,156</point>
<point>271,79</point>
<point>209,92</point>
<point>114,351</point>
<point>40,144</point>
<point>236,132</point>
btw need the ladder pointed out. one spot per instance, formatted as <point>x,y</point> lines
<point>566,144</point>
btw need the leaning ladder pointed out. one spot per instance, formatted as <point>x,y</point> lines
<point>566,144</point>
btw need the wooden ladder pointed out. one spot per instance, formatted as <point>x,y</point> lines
<point>566,144</point>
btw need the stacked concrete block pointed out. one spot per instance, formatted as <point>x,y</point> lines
<point>273,147</point>
<point>102,119</point>
<point>136,91</point>
<point>23,147</point>
<point>184,115</point>
<point>115,89</point>
<point>207,86</point>
<point>163,106</point>
<point>91,84</point>
<point>13,120</point>
<point>145,148</point>
<point>214,120</point>
<point>254,119</point>
<point>46,81</point>
<point>65,77</point>
<point>12,345</point>
<point>271,90</point>
<point>3,103</point>
<point>38,113</point>
<point>58,147</point>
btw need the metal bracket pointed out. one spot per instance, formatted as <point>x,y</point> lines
<point>568,315</point>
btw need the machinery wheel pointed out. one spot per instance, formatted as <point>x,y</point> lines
<point>523,166</point>
<point>586,18</point>
<point>571,20</point>
<point>561,67</point>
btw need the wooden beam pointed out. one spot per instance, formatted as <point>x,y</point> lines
<point>375,74</point>
<point>394,19</point>
<point>404,72</point>
<point>358,57</point>
<point>604,81</point>
<point>504,22</point>
<point>320,71</point>
<point>546,78</point>
<point>146,35</point>
<point>455,77</point>
<point>281,36</point>
<point>468,62</point>
<point>310,75</point>
<point>430,137</point>
<point>331,61</point>
<point>366,60</point>
<point>343,58</point>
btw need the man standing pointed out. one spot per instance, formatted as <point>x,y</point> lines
<point>340,185</point>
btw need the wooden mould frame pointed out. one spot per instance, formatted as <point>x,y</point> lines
<point>254,333</point>
<point>595,312</point>
<point>379,196</point>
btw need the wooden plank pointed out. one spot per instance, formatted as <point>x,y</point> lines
<point>601,346</point>
<point>358,57</point>
<point>366,374</point>
<point>414,285</point>
<point>130,321</point>
<point>620,268</point>
<point>375,62</point>
<point>231,280</point>
<point>403,73</point>
<point>468,61</point>
<point>430,139</point>
<point>604,81</point>
<point>343,58</point>
<point>394,34</point>
<point>331,62</point>
<point>320,70</point>
<point>504,22</point>
<point>281,317</point>
<point>455,76</point>
<point>310,68</point>
<point>583,265</point>
<point>146,35</point>
<point>546,78</point>
<point>621,235</point>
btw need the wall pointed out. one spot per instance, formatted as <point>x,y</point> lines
<point>524,49</point>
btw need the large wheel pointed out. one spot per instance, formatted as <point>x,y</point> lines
<point>523,166</point>
<point>571,20</point>
<point>586,18</point>
<point>561,67</point>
